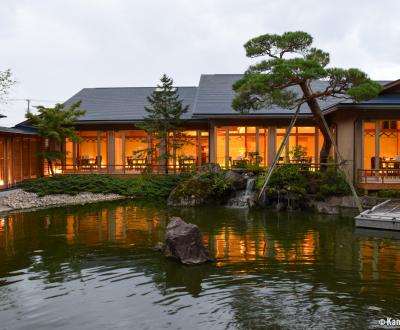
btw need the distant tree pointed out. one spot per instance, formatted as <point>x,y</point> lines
<point>6,81</point>
<point>55,124</point>
<point>285,79</point>
<point>163,118</point>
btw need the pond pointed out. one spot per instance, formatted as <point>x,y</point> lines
<point>92,267</point>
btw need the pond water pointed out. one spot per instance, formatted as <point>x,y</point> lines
<point>93,267</point>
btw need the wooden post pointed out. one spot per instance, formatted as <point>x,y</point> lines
<point>278,154</point>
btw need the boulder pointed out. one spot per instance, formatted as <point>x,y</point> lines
<point>327,208</point>
<point>183,241</point>
<point>235,180</point>
<point>195,191</point>
<point>211,168</point>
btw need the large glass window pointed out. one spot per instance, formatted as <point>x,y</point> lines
<point>301,146</point>
<point>87,149</point>
<point>118,149</point>
<point>103,161</point>
<point>369,145</point>
<point>221,146</point>
<point>188,148</point>
<point>245,145</point>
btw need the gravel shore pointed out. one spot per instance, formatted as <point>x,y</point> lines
<point>18,199</point>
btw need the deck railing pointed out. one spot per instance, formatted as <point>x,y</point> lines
<point>123,169</point>
<point>172,169</point>
<point>378,176</point>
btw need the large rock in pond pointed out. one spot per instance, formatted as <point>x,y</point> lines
<point>183,241</point>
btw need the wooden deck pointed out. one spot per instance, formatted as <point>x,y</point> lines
<point>382,179</point>
<point>382,216</point>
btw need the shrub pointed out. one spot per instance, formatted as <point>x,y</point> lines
<point>294,178</point>
<point>141,186</point>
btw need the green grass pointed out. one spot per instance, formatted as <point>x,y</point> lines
<point>141,186</point>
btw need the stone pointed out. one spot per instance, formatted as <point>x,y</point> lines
<point>327,208</point>
<point>20,199</point>
<point>211,168</point>
<point>235,180</point>
<point>183,241</point>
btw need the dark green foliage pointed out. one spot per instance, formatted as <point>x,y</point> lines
<point>143,186</point>
<point>292,177</point>
<point>203,185</point>
<point>56,124</point>
<point>265,83</point>
<point>388,193</point>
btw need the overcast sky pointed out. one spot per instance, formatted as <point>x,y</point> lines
<point>57,47</point>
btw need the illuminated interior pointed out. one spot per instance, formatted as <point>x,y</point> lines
<point>300,136</point>
<point>388,149</point>
<point>136,144</point>
<point>87,148</point>
<point>118,146</point>
<point>69,152</point>
<point>369,145</point>
<point>191,148</point>
<point>241,144</point>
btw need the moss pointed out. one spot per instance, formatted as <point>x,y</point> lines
<point>201,188</point>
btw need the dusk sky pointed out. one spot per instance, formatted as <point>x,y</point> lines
<point>57,47</point>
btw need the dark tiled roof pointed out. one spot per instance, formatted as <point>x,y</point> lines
<point>215,95</point>
<point>211,99</point>
<point>122,104</point>
<point>12,130</point>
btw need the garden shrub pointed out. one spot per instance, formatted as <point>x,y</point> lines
<point>294,178</point>
<point>141,186</point>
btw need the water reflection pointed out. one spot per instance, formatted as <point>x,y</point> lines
<point>292,265</point>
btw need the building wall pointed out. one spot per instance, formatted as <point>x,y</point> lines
<point>19,158</point>
<point>344,123</point>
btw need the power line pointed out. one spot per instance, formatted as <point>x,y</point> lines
<point>29,102</point>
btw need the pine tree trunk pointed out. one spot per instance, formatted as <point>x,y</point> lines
<point>163,154</point>
<point>50,162</point>
<point>317,115</point>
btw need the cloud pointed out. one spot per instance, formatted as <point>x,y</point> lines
<point>56,47</point>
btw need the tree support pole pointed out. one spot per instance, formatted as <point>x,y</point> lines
<point>341,162</point>
<point>278,154</point>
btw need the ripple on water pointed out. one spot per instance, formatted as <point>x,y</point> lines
<point>93,267</point>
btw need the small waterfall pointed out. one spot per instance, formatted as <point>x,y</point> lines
<point>244,198</point>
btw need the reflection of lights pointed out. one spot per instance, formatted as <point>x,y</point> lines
<point>1,182</point>
<point>2,222</point>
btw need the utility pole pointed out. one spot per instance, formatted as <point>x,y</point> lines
<point>29,105</point>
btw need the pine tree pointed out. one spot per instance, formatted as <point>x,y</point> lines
<point>286,78</point>
<point>163,119</point>
<point>56,124</point>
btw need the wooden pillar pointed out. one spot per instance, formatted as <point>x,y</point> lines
<point>227,147</point>
<point>198,148</point>
<point>377,146</point>
<point>257,140</point>
<point>110,151</point>
<point>271,145</point>
<point>212,142</point>
<point>149,148</point>
<point>316,144</point>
